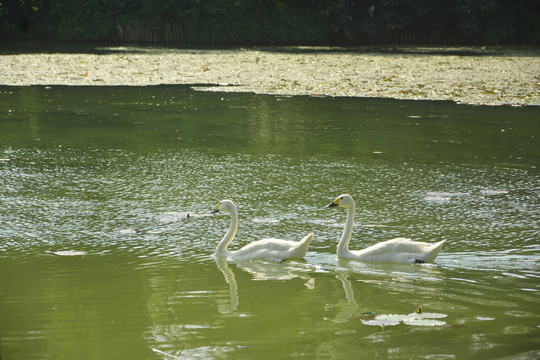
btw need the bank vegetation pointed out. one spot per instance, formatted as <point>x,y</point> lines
<point>234,23</point>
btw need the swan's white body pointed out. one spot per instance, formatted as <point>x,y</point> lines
<point>399,250</point>
<point>265,249</point>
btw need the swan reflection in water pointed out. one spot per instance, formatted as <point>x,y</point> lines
<point>346,310</point>
<point>260,271</point>
<point>395,278</point>
<point>224,306</point>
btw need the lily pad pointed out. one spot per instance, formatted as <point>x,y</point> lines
<point>418,318</point>
<point>424,315</point>
<point>392,317</point>
<point>423,322</point>
<point>379,322</point>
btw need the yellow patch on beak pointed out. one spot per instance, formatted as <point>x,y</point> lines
<point>333,203</point>
<point>216,209</point>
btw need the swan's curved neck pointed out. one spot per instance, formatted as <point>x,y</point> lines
<point>343,245</point>
<point>221,249</point>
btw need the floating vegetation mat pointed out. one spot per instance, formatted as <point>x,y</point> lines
<point>417,318</point>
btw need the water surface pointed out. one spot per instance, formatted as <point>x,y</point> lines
<point>99,259</point>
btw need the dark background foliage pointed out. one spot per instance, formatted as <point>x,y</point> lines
<point>187,23</point>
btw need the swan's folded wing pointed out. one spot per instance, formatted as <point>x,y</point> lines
<point>400,250</point>
<point>265,249</point>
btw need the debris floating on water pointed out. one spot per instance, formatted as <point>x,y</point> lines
<point>166,354</point>
<point>127,231</point>
<point>173,216</point>
<point>417,318</point>
<point>66,252</point>
<point>265,221</point>
<point>498,71</point>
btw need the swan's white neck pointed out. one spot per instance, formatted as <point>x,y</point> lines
<point>343,245</point>
<point>221,249</point>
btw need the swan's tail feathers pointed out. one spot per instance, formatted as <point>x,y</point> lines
<point>307,239</point>
<point>303,245</point>
<point>434,252</point>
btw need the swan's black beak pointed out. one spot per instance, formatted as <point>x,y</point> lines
<point>331,205</point>
<point>215,211</point>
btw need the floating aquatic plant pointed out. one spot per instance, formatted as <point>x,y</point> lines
<point>380,322</point>
<point>417,318</point>
<point>66,252</point>
<point>423,322</point>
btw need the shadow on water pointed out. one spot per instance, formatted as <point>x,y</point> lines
<point>97,48</point>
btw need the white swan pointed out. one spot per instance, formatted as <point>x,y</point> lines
<point>399,250</point>
<point>265,249</point>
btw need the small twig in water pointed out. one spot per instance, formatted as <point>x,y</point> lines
<point>167,354</point>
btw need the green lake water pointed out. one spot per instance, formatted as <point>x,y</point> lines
<point>111,173</point>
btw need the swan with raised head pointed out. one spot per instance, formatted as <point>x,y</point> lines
<point>265,249</point>
<point>399,250</point>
